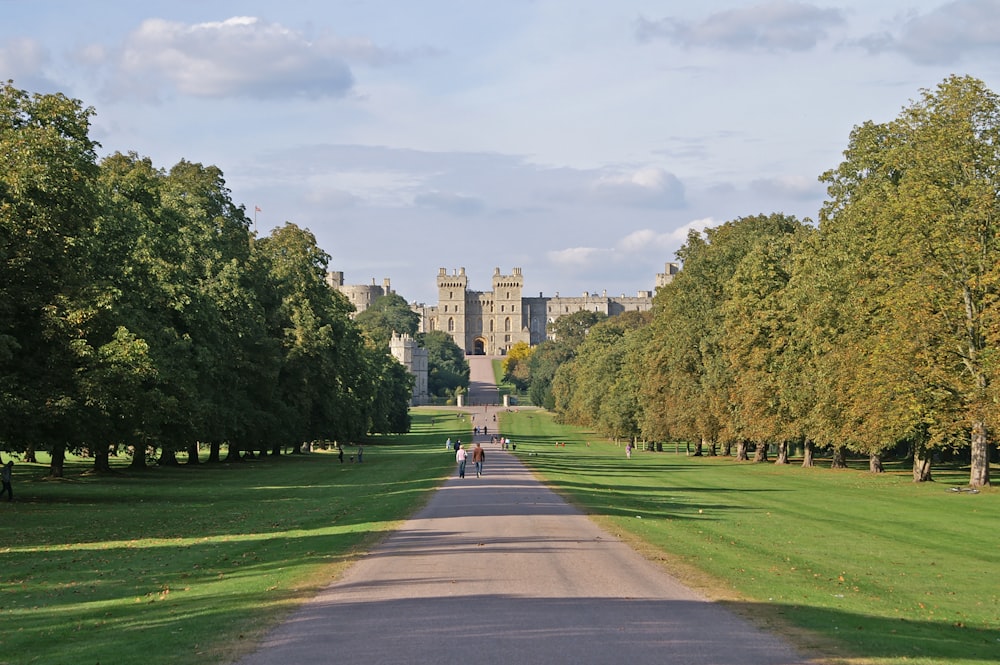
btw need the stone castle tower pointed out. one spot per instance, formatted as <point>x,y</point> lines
<point>480,322</point>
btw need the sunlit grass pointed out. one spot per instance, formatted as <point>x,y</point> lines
<point>872,568</point>
<point>191,564</point>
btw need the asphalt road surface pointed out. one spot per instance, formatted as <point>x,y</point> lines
<point>499,569</point>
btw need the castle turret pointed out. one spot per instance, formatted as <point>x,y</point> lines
<point>451,304</point>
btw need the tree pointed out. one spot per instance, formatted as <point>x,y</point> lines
<point>690,382</point>
<point>447,367</point>
<point>935,171</point>
<point>758,326</point>
<point>47,205</point>
<point>568,332</point>
<point>386,315</point>
<point>515,365</point>
<point>591,389</point>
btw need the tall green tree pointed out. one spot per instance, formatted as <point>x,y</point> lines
<point>690,382</point>
<point>758,326</point>
<point>591,389</point>
<point>938,179</point>
<point>47,206</point>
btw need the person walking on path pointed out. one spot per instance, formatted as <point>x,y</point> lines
<point>5,475</point>
<point>478,457</point>
<point>460,458</point>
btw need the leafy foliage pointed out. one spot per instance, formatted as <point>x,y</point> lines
<point>447,367</point>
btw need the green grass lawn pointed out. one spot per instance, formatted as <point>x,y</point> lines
<point>192,564</point>
<point>870,568</point>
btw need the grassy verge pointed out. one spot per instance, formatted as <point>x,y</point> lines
<point>869,568</point>
<point>192,564</point>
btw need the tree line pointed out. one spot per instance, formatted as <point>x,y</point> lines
<point>140,315</point>
<point>876,329</point>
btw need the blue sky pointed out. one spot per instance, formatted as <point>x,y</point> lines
<point>577,139</point>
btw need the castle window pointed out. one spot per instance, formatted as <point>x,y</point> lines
<point>508,295</point>
<point>491,325</point>
<point>446,308</point>
<point>501,307</point>
<point>451,324</point>
<point>506,324</point>
<point>431,323</point>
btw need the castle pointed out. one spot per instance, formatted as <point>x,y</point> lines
<point>491,322</point>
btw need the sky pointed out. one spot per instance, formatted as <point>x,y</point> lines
<point>579,140</point>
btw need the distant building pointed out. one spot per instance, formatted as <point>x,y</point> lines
<point>360,295</point>
<point>491,322</point>
<point>405,349</point>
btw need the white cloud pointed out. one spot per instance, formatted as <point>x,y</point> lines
<point>944,35</point>
<point>647,187</point>
<point>578,257</point>
<point>24,60</point>
<point>239,57</point>
<point>657,242</point>
<point>773,26</point>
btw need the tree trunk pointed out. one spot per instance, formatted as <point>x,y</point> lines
<point>214,451</point>
<point>58,462</point>
<point>760,453</point>
<point>698,447</point>
<point>807,453</point>
<point>741,451</point>
<point>727,448</point>
<point>875,463</point>
<point>234,453</point>
<point>29,454</point>
<point>276,450</point>
<point>713,447</point>
<point>138,458</point>
<point>102,461</point>
<point>921,465</point>
<point>194,452</point>
<point>782,453</point>
<point>979,470</point>
<point>839,460</point>
<point>168,457</point>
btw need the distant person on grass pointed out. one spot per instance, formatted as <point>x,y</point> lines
<point>5,475</point>
<point>478,457</point>
<point>460,458</point>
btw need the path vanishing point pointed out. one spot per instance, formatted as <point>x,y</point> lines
<point>500,569</point>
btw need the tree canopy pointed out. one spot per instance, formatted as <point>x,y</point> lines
<point>138,311</point>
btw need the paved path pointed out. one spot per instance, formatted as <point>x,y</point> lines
<point>482,381</point>
<point>500,569</point>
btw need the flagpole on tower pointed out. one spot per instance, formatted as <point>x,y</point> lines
<point>256,209</point>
